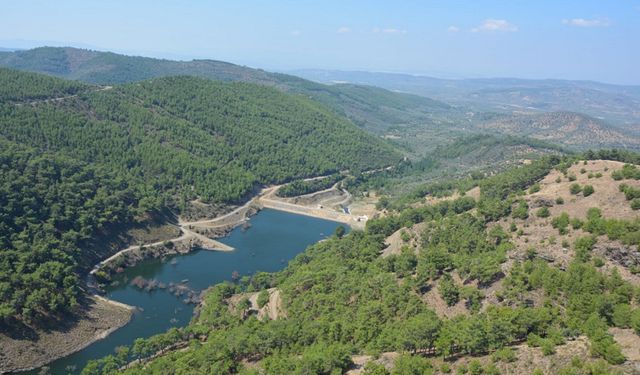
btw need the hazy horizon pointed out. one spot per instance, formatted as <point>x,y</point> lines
<point>573,40</point>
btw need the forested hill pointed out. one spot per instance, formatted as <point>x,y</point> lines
<point>112,68</point>
<point>31,86</point>
<point>369,107</point>
<point>181,133</point>
<point>86,165</point>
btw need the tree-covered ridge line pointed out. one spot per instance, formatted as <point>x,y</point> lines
<point>193,137</point>
<point>24,87</point>
<point>342,298</point>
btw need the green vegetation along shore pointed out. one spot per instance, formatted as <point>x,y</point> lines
<point>341,298</point>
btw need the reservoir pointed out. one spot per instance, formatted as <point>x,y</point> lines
<point>273,238</point>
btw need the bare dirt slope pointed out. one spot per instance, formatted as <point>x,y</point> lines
<point>607,197</point>
<point>98,320</point>
<point>527,359</point>
<point>272,310</point>
<point>539,234</point>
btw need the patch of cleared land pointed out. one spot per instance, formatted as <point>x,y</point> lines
<point>539,234</point>
<point>395,242</point>
<point>326,204</point>
<point>527,359</point>
<point>25,350</point>
<point>272,310</point>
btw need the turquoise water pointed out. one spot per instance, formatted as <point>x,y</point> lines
<point>273,239</point>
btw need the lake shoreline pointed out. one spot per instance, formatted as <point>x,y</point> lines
<point>193,236</point>
<point>97,320</point>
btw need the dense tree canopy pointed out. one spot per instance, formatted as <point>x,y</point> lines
<point>50,206</point>
<point>90,159</point>
<point>16,87</point>
<point>196,137</point>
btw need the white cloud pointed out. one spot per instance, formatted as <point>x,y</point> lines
<point>453,29</point>
<point>388,30</point>
<point>296,33</point>
<point>581,22</point>
<point>495,25</point>
<point>394,31</point>
<point>343,30</point>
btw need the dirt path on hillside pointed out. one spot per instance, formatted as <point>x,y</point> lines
<point>314,208</point>
<point>61,98</point>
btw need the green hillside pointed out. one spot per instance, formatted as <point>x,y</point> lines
<point>87,165</point>
<point>222,139</point>
<point>369,107</point>
<point>51,206</point>
<point>463,284</point>
<point>29,86</point>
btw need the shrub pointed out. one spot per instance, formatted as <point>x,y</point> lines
<point>505,354</point>
<point>576,223</point>
<point>629,192</point>
<point>635,204</point>
<point>572,177</point>
<point>408,364</point>
<point>598,262</point>
<point>491,369</point>
<point>372,368</point>
<point>543,212</point>
<point>534,188</point>
<point>263,298</point>
<point>547,346</point>
<point>449,290</point>
<point>561,223</point>
<point>475,367</point>
<point>634,320</point>
<point>522,211</point>
<point>621,316</point>
<point>575,189</point>
<point>617,175</point>
<point>559,200</point>
<point>587,190</point>
<point>583,247</point>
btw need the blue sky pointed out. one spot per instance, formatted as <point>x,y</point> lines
<point>595,40</point>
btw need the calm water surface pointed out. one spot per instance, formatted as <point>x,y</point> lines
<point>273,239</point>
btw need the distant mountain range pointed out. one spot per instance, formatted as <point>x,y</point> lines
<point>415,112</point>
<point>618,105</point>
<point>369,107</point>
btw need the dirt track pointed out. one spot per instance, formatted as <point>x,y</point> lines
<point>313,208</point>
